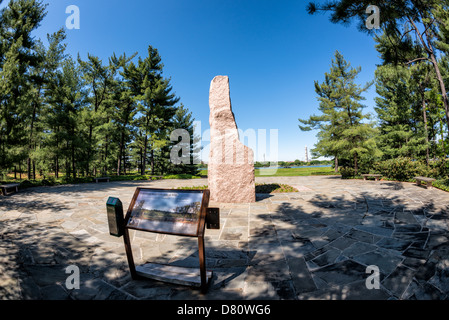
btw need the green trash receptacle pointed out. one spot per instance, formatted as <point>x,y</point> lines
<point>116,219</point>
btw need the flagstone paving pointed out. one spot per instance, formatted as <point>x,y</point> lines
<point>313,244</point>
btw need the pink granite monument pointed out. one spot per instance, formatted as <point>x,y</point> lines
<point>231,163</point>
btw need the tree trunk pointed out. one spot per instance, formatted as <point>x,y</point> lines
<point>144,156</point>
<point>152,162</point>
<point>119,164</point>
<point>336,164</point>
<point>73,161</point>
<point>30,141</point>
<point>29,166</point>
<point>106,156</point>
<point>442,87</point>
<point>124,161</point>
<point>89,149</point>
<point>68,166</point>
<point>426,134</point>
<point>356,167</point>
<point>119,160</point>
<point>428,47</point>
<point>57,167</point>
<point>443,147</point>
<point>34,170</point>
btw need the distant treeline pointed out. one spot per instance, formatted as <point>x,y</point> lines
<point>296,163</point>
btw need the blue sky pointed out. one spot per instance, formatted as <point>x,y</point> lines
<point>272,51</point>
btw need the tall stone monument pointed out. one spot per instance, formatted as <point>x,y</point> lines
<point>231,163</point>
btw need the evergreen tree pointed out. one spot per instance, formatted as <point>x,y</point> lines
<point>50,60</point>
<point>18,56</point>
<point>97,78</point>
<point>426,20</point>
<point>65,98</point>
<point>155,108</point>
<point>184,147</point>
<point>395,111</point>
<point>57,115</point>
<point>343,132</point>
<point>406,105</point>
<point>123,105</point>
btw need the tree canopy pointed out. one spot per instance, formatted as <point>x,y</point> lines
<point>81,117</point>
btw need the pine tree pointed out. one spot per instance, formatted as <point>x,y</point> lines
<point>406,104</point>
<point>426,20</point>
<point>50,59</point>
<point>156,105</point>
<point>123,106</point>
<point>65,98</point>
<point>97,78</point>
<point>343,132</point>
<point>18,57</point>
<point>186,148</point>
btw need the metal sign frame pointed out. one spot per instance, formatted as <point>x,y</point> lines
<point>204,274</point>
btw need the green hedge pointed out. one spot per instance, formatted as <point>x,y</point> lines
<point>405,169</point>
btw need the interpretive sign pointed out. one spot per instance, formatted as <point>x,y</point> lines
<point>166,211</point>
<point>175,212</point>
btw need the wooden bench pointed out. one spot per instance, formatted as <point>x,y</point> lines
<point>375,176</point>
<point>425,179</point>
<point>7,187</point>
<point>106,179</point>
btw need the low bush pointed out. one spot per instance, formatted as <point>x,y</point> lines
<point>274,188</point>
<point>181,176</point>
<point>193,188</point>
<point>347,172</point>
<point>401,168</point>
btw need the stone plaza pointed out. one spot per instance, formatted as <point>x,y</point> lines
<point>314,244</point>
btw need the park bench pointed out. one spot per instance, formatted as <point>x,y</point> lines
<point>105,179</point>
<point>7,187</point>
<point>425,179</point>
<point>375,176</point>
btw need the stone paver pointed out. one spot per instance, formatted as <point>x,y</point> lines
<point>314,244</point>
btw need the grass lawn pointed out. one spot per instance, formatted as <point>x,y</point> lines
<point>260,188</point>
<point>307,171</point>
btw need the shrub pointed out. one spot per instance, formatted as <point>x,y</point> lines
<point>401,168</point>
<point>183,176</point>
<point>346,172</point>
<point>46,182</point>
<point>26,184</point>
<point>193,188</point>
<point>438,169</point>
<point>274,188</point>
<point>442,184</point>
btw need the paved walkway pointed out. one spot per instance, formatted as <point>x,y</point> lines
<point>314,244</point>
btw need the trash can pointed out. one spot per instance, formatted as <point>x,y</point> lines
<point>116,220</point>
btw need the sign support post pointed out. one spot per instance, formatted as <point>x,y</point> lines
<point>173,212</point>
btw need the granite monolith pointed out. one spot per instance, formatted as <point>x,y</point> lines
<point>231,163</point>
